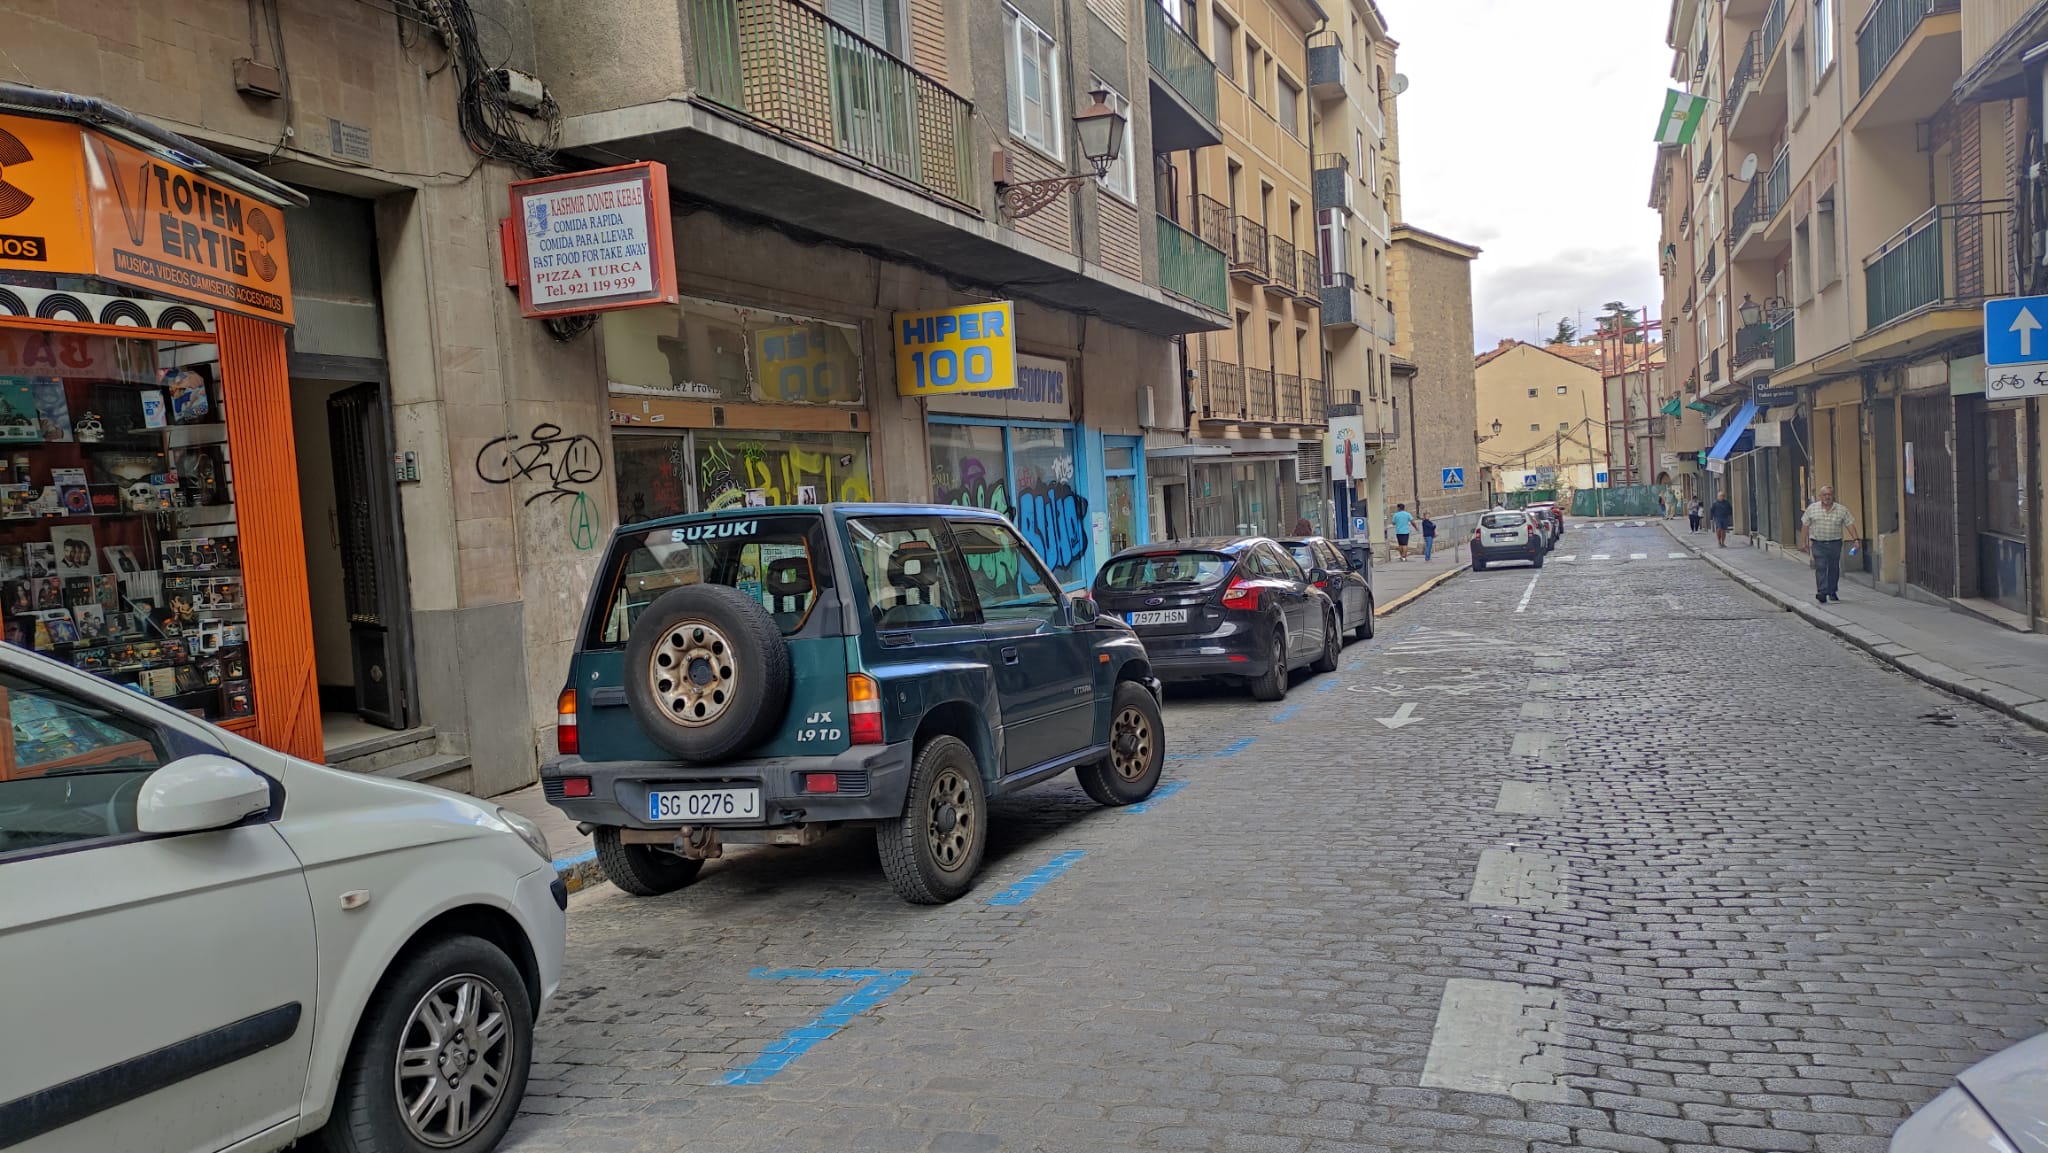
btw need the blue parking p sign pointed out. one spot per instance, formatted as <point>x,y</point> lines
<point>2016,331</point>
<point>1454,478</point>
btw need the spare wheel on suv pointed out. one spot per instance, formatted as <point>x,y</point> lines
<point>707,672</point>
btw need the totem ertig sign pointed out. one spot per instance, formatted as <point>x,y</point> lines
<point>592,241</point>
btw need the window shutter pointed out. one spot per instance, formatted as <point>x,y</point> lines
<point>1012,64</point>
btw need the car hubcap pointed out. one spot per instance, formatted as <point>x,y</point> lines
<point>453,1055</point>
<point>1130,745</point>
<point>949,828</point>
<point>693,673</point>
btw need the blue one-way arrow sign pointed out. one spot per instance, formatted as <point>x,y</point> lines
<point>1454,478</point>
<point>2013,331</point>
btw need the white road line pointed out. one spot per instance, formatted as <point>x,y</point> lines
<point>1639,556</point>
<point>1572,559</point>
<point>1498,1037</point>
<point>1532,744</point>
<point>1520,879</point>
<point>1602,556</point>
<point>1676,555</point>
<point>1529,592</point>
<point>1529,799</point>
<point>1538,710</point>
<point>1553,664</point>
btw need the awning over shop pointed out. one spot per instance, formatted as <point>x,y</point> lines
<point>1734,431</point>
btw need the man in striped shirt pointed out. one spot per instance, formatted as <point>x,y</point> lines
<point>1823,530</point>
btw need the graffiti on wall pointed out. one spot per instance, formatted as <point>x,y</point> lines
<point>563,462</point>
<point>1047,510</point>
<point>733,474</point>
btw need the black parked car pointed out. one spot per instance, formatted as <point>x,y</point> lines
<point>1235,608</point>
<point>1350,587</point>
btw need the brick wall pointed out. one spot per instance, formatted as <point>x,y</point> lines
<point>1433,301</point>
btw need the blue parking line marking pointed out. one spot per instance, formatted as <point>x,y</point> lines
<point>1220,754</point>
<point>1233,750</point>
<point>1165,790</point>
<point>1326,686</point>
<point>1354,666</point>
<point>1023,890</point>
<point>875,985</point>
<point>1286,713</point>
<point>582,858</point>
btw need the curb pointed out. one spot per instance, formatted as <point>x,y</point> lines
<point>1413,595</point>
<point>580,871</point>
<point>2018,704</point>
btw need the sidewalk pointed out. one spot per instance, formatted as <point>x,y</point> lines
<point>1954,651</point>
<point>1398,583</point>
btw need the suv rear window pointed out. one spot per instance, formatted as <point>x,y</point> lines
<point>1155,569</point>
<point>1506,520</point>
<point>781,561</point>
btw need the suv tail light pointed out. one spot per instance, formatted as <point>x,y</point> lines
<point>1241,595</point>
<point>864,709</point>
<point>565,723</point>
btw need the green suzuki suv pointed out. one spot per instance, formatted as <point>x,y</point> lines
<point>761,676</point>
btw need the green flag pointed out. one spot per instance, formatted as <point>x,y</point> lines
<point>1682,116</point>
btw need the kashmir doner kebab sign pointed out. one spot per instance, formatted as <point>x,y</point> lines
<point>76,201</point>
<point>593,241</point>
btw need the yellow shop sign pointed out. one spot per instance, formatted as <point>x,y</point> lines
<point>968,349</point>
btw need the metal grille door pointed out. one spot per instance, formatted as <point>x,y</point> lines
<point>1930,501</point>
<point>366,505</point>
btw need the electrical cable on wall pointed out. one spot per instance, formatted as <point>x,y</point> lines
<point>490,124</point>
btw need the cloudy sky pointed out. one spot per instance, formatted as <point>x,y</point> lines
<point>1526,130</point>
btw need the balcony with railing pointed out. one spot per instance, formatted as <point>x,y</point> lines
<point>1784,352</point>
<point>1778,187</point>
<point>1260,402</point>
<point>1773,31</point>
<point>1710,372</point>
<point>1952,257</point>
<point>1335,186</point>
<point>1285,265</point>
<point>1753,350</point>
<point>1709,266</point>
<point>1908,57</point>
<point>1249,259</point>
<point>1309,288</point>
<point>1343,305</point>
<point>1318,393</point>
<point>1749,218</point>
<point>1748,71</point>
<point>1183,85</point>
<point>786,65</point>
<point>1329,73</point>
<point>1191,268</point>
<point>1222,396</point>
<point>1291,400</point>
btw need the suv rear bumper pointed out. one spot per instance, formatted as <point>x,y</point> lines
<point>619,789</point>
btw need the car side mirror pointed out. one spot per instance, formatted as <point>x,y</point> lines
<point>1318,577</point>
<point>199,792</point>
<point>1083,611</point>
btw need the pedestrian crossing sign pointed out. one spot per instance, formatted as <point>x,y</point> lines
<point>1454,478</point>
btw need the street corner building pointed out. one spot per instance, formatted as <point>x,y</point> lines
<point>1832,234</point>
<point>322,400</point>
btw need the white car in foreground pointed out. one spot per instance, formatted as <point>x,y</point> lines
<point>209,945</point>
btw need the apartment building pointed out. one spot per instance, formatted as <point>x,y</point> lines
<point>428,477</point>
<point>1353,82</point>
<point>1260,408</point>
<point>1542,415</point>
<point>1837,282</point>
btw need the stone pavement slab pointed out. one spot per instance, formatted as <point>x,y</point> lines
<point>1952,650</point>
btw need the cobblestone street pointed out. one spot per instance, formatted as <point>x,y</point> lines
<point>1649,865</point>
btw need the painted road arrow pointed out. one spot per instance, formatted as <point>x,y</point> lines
<point>1402,718</point>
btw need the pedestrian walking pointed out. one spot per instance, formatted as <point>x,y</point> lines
<point>1404,524</point>
<point>1723,516</point>
<point>1303,528</point>
<point>1663,509</point>
<point>1693,513</point>
<point>1824,529</point>
<point>1428,536</point>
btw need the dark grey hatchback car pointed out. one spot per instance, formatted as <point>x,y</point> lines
<point>1232,608</point>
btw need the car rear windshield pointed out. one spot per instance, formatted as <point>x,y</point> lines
<point>781,561</point>
<point>1158,569</point>
<point>1506,520</point>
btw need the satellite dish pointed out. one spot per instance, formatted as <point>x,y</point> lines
<point>1400,83</point>
<point>1748,170</point>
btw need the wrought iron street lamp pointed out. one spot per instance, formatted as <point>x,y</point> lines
<point>1101,129</point>
<point>1752,313</point>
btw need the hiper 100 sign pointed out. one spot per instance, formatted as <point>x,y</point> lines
<point>968,349</point>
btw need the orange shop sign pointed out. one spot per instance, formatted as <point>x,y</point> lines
<point>79,202</point>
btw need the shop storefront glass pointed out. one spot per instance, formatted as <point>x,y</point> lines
<point>664,474</point>
<point>119,547</point>
<point>707,350</point>
<point>1027,472</point>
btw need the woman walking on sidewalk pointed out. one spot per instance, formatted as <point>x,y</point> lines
<point>1693,512</point>
<point>1723,514</point>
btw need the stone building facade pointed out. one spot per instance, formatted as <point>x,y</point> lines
<point>1435,386</point>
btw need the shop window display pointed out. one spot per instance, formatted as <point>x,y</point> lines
<point>702,349</point>
<point>119,552</point>
<point>658,473</point>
